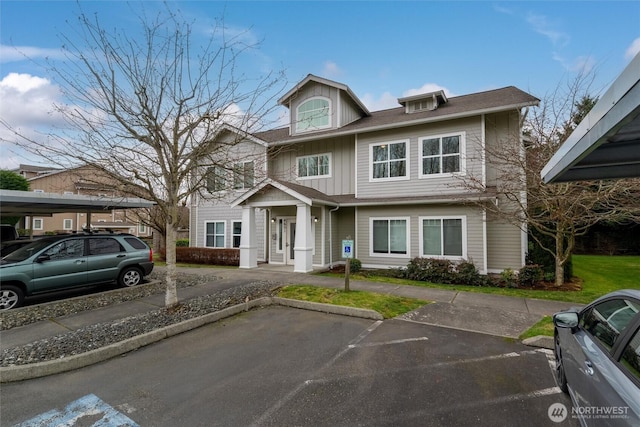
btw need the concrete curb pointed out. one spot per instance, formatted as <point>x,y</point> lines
<point>51,367</point>
<point>541,341</point>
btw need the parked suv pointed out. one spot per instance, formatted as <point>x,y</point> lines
<point>73,260</point>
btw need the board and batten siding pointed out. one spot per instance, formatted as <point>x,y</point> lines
<point>413,185</point>
<point>341,151</point>
<point>474,223</point>
<point>343,110</point>
<point>506,243</point>
<point>502,132</point>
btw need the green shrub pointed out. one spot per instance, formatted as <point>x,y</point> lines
<point>430,270</point>
<point>529,275</point>
<point>182,243</point>
<point>509,278</point>
<point>355,265</point>
<point>467,274</point>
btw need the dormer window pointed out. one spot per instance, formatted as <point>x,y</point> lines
<point>313,114</point>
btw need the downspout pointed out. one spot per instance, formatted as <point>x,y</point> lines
<point>331,237</point>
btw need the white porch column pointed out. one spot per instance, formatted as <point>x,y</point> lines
<point>303,247</point>
<point>248,239</point>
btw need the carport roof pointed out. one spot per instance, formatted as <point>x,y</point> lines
<point>31,203</point>
<point>606,144</point>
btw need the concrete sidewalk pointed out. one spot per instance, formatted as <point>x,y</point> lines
<point>476,312</point>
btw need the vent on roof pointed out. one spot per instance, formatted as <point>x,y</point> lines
<point>423,102</point>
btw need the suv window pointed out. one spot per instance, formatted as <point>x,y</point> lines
<point>136,243</point>
<point>66,249</point>
<point>104,245</point>
<point>607,320</point>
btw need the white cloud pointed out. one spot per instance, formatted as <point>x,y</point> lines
<point>331,70</point>
<point>387,100</point>
<point>427,88</point>
<point>580,64</point>
<point>542,25</point>
<point>21,53</point>
<point>383,102</point>
<point>27,106</point>
<point>632,50</point>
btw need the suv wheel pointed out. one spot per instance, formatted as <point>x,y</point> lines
<point>10,297</point>
<point>130,276</point>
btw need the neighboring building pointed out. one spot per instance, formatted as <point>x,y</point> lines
<point>78,181</point>
<point>389,180</point>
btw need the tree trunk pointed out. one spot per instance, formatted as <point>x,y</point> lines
<point>559,259</point>
<point>171,295</point>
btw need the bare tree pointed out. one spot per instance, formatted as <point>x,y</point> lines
<point>149,109</point>
<point>559,211</point>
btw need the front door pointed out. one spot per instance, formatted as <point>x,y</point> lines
<point>290,253</point>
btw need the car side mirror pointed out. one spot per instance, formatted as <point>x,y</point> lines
<point>42,258</point>
<point>566,319</point>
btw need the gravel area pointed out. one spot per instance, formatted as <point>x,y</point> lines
<point>102,334</point>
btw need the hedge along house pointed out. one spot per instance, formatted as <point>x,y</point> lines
<point>389,180</point>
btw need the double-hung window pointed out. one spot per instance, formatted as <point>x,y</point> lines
<point>389,236</point>
<point>215,179</point>
<point>389,160</point>
<point>441,154</point>
<point>316,166</point>
<point>313,114</point>
<point>243,175</point>
<point>215,231</point>
<point>67,224</point>
<point>237,233</point>
<point>443,237</point>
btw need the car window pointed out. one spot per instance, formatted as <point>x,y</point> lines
<point>608,319</point>
<point>72,248</point>
<point>136,243</point>
<point>104,246</point>
<point>631,356</point>
<point>27,250</point>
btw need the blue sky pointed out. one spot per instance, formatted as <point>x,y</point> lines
<point>381,50</point>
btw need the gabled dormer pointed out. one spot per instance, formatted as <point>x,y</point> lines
<point>317,104</point>
<point>423,102</point>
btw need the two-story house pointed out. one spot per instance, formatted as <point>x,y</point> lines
<point>390,180</point>
<point>79,181</point>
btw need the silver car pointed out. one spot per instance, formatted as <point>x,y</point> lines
<point>597,354</point>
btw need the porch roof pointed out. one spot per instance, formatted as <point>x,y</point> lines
<point>312,196</point>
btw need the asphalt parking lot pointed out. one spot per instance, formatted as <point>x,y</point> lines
<point>284,366</point>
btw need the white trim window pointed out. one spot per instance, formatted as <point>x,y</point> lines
<point>236,229</point>
<point>389,237</point>
<point>142,228</point>
<point>315,166</point>
<point>243,175</point>
<point>313,114</point>
<point>389,161</point>
<point>442,154</point>
<point>280,230</point>
<point>67,224</point>
<point>215,179</point>
<point>214,234</point>
<point>38,223</point>
<point>443,237</point>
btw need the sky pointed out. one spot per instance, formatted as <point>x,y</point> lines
<point>381,50</point>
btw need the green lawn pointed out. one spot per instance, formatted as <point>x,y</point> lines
<point>599,275</point>
<point>388,305</point>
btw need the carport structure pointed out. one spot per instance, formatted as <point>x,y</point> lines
<point>606,144</point>
<point>28,203</point>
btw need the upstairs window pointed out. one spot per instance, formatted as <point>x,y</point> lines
<point>215,179</point>
<point>243,175</point>
<point>313,114</point>
<point>316,166</point>
<point>441,155</point>
<point>389,160</point>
